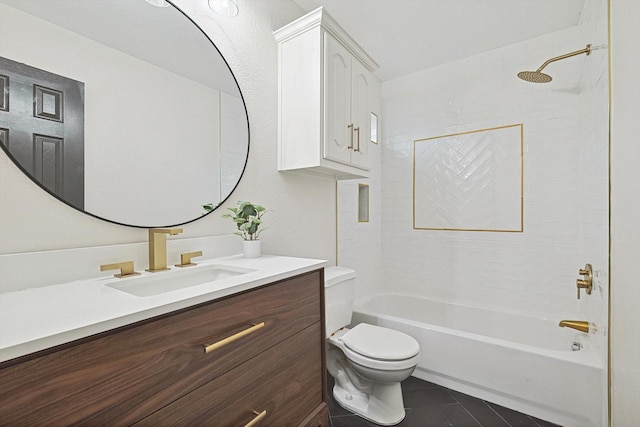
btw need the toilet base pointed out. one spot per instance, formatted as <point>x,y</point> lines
<point>380,403</point>
<point>383,406</point>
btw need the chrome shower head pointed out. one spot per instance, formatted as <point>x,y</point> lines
<point>539,77</point>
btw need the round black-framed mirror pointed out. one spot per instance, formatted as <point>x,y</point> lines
<point>163,123</point>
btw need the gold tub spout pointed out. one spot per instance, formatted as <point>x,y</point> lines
<point>579,325</point>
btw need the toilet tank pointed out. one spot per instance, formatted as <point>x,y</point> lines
<point>338,297</point>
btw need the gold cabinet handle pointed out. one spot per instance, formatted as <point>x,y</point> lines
<point>358,140</point>
<point>259,416</point>
<point>208,348</point>
<point>350,147</point>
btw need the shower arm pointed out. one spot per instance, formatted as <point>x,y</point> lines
<point>586,50</point>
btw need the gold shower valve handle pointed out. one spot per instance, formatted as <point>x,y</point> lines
<point>586,282</point>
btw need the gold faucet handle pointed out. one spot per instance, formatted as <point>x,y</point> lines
<point>586,271</point>
<point>125,267</point>
<point>185,259</point>
<point>585,284</point>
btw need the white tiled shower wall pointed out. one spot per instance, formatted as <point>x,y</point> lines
<point>565,182</point>
<point>594,169</point>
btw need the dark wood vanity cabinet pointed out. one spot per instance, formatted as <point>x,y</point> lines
<point>157,372</point>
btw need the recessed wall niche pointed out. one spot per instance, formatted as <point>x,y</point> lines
<point>470,181</point>
<point>363,203</point>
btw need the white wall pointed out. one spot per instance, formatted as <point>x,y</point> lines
<point>625,213</point>
<point>301,220</point>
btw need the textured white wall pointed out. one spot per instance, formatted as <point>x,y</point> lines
<point>625,212</point>
<point>302,217</point>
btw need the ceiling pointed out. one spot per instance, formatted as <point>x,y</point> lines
<point>405,36</point>
<point>402,36</point>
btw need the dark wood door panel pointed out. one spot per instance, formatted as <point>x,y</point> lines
<point>45,108</point>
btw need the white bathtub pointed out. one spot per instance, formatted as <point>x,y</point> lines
<point>524,363</point>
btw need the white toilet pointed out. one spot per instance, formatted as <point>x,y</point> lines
<point>367,362</point>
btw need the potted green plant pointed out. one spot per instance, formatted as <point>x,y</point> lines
<point>248,219</point>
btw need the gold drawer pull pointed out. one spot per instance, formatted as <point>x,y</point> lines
<point>208,348</point>
<point>257,418</point>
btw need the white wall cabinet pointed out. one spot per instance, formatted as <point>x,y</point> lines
<point>325,88</point>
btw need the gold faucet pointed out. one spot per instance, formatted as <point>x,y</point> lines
<point>578,325</point>
<point>158,247</point>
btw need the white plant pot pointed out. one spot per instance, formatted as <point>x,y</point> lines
<point>251,248</point>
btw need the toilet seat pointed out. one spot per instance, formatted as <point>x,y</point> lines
<point>377,347</point>
<point>380,343</point>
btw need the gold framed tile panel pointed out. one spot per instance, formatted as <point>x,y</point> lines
<point>521,227</point>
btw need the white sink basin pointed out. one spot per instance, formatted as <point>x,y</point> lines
<point>164,282</point>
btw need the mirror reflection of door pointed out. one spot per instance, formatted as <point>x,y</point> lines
<point>151,106</point>
<point>42,127</point>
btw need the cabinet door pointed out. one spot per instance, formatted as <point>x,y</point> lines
<point>338,128</point>
<point>360,114</point>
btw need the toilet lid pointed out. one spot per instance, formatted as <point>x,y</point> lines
<point>380,343</point>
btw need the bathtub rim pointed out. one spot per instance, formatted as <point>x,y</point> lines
<point>585,356</point>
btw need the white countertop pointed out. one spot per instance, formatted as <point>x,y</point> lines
<point>39,318</point>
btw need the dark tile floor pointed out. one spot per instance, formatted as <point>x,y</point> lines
<point>431,405</point>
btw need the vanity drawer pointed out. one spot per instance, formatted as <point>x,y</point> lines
<point>122,376</point>
<point>285,381</point>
